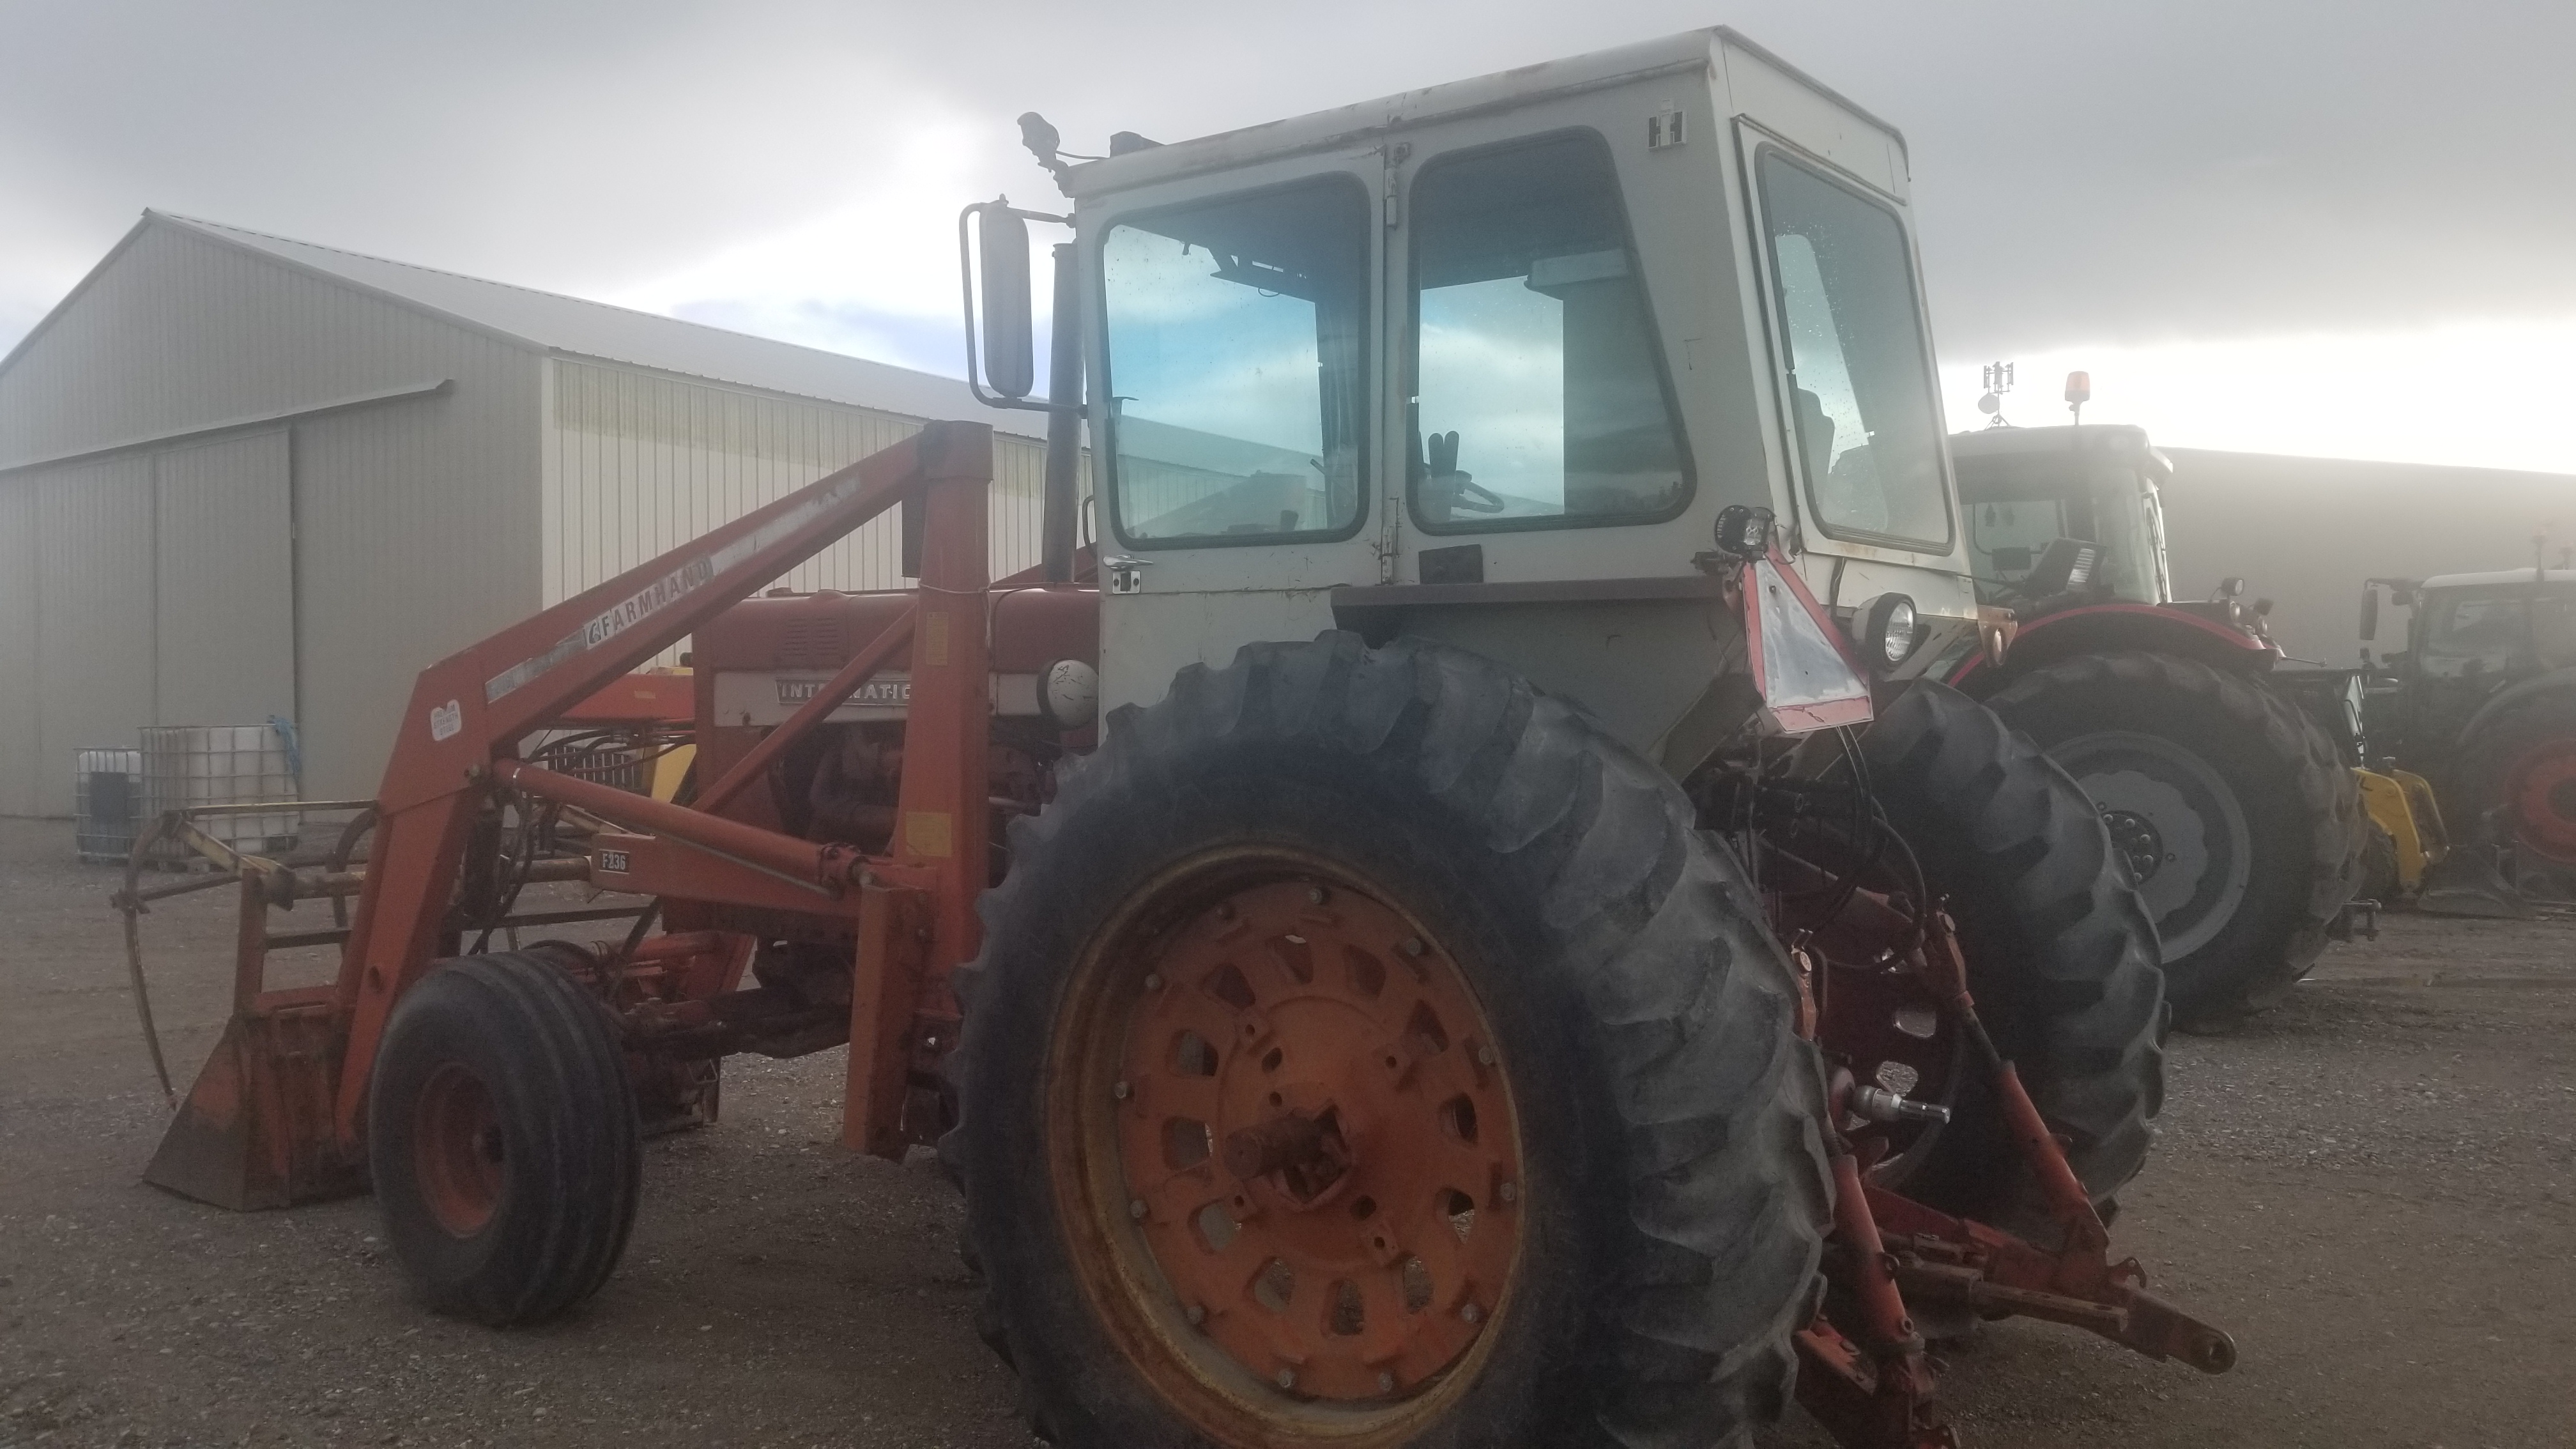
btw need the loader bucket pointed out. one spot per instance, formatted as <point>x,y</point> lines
<point>255,1131</point>
<point>2467,882</point>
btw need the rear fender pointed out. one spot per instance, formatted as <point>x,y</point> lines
<point>2106,628</point>
<point>2515,696</point>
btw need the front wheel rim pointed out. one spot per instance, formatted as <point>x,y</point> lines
<point>1287,1153</point>
<point>458,1150</point>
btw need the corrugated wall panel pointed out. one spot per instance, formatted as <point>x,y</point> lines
<point>20,754</point>
<point>94,671</point>
<point>641,462</point>
<point>418,518</point>
<point>416,534</point>
<point>225,646</point>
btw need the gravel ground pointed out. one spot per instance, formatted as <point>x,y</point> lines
<point>2373,1188</point>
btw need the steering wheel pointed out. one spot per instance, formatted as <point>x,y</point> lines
<point>1443,448</point>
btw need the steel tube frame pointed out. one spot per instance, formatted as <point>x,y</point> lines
<point>469,712</point>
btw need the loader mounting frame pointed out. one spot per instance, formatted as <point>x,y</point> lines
<point>278,1115</point>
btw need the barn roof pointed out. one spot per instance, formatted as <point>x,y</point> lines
<point>552,322</point>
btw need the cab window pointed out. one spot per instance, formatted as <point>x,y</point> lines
<point>2507,629</point>
<point>1860,384</point>
<point>1539,397</point>
<point>1237,378</point>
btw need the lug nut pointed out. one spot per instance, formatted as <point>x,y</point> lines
<point>1509,1192</point>
<point>1196,1315</point>
<point>1153,983</point>
<point>1314,897</point>
<point>1122,1091</point>
<point>1386,1383</point>
<point>1471,1314</point>
<point>1411,946</point>
<point>1484,1056</point>
<point>1136,1208</point>
<point>1287,1378</point>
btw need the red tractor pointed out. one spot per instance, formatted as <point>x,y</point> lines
<point>2237,814</point>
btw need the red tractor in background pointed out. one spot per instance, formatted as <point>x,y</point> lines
<point>2237,814</point>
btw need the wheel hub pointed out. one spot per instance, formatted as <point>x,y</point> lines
<point>458,1150</point>
<point>1306,1158</point>
<point>2135,837</point>
<point>2203,845</point>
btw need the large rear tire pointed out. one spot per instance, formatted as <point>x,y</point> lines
<point>2243,828</point>
<point>1397,902</point>
<point>501,1132</point>
<point>2061,958</point>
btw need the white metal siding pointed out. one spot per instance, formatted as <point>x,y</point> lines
<point>641,462</point>
<point>20,754</point>
<point>417,518</point>
<point>94,669</point>
<point>225,644</point>
<point>181,331</point>
<point>416,534</point>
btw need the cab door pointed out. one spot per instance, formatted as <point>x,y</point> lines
<point>1236,412</point>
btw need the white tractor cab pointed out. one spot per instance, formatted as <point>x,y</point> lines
<point>1449,363</point>
<point>1523,901</point>
<point>2075,513</point>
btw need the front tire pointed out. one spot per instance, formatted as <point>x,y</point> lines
<point>2242,827</point>
<point>2061,958</point>
<point>501,1132</point>
<point>1374,890</point>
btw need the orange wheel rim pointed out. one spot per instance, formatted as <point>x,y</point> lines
<point>2541,786</point>
<point>457,1153</point>
<point>1293,1180</point>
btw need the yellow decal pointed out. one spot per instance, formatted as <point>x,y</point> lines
<point>925,832</point>
<point>934,642</point>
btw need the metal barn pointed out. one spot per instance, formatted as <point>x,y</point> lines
<point>244,477</point>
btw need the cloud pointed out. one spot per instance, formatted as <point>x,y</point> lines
<point>2485,394</point>
<point>2133,179</point>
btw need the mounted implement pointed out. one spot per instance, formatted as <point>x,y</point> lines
<point>1526,961</point>
<point>281,1113</point>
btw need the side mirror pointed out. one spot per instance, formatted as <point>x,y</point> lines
<point>2369,613</point>
<point>1010,348</point>
<point>1001,351</point>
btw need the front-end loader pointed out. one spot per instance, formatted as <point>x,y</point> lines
<point>1466,916</point>
<point>2242,823</point>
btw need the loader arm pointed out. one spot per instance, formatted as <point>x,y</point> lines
<point>469,711</point>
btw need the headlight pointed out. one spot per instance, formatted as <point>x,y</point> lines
<point>1744,531</point>
<point>1069,694</point>
<point>1884,628</point>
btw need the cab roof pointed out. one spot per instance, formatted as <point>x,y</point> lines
<point>2493,578</point>
<point>1347,127</point>
<point>2013,463</point>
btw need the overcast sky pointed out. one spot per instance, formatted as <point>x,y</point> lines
<point>2344,227</point>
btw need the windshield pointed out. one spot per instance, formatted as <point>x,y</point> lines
<point>1237,370</point>
<point>2006,536</point>
<point>2487,631</point>
<point>1869,437</point>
